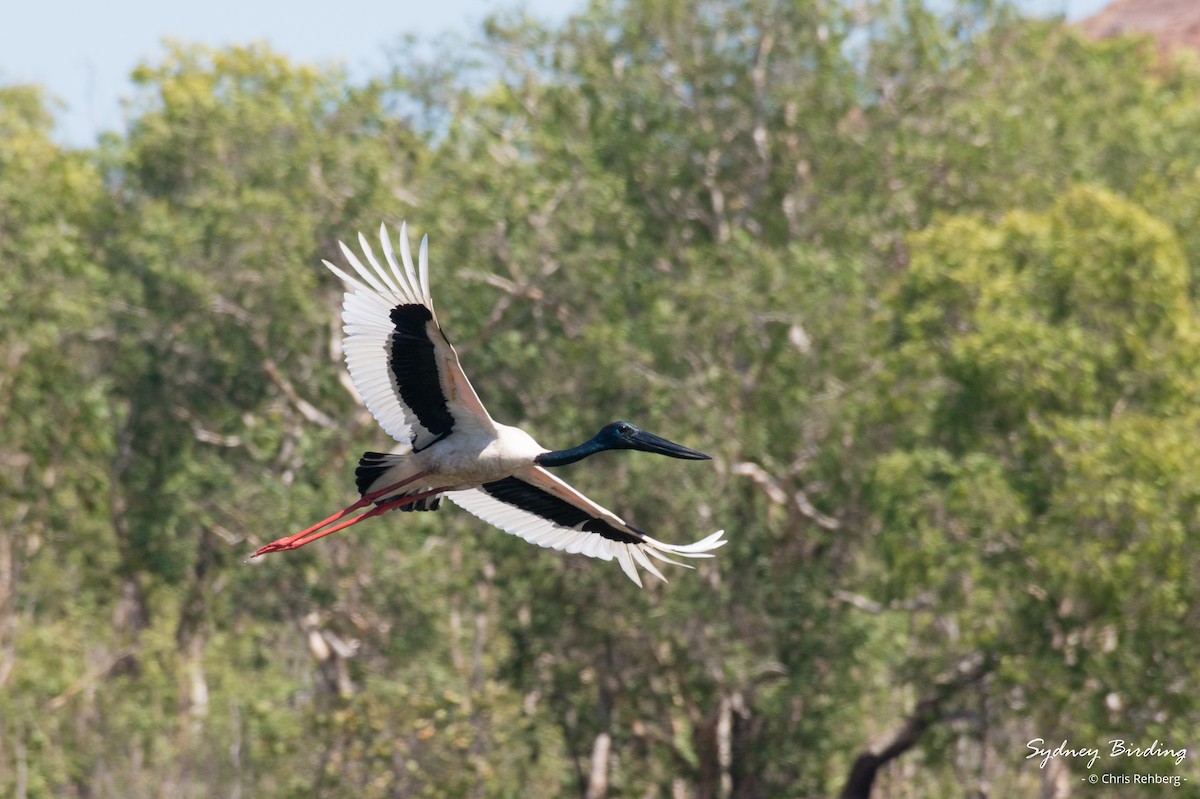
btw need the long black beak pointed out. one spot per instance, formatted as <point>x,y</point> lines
<point>648,442</point>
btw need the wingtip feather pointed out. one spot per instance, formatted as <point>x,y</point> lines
<point>640,556</point>
<point>423,270</point>
<point>395,288</point>
<point>626,561</point>
<point>409,270</point>
<point>403,274</point>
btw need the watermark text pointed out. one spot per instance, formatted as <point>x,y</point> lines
<point>1114,748</point>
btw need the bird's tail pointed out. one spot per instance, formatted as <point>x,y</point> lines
<point>378,469</point>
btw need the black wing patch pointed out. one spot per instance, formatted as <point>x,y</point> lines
<point>519,494</point>
<point>413,361</point>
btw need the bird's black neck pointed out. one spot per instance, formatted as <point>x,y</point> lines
<point>561,457</point>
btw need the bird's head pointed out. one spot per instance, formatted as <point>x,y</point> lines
<point>623,435</point>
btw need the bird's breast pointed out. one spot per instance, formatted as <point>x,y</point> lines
<point>470,462</point>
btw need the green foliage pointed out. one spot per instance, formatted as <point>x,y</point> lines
<point>920,279</point>
<point>1055,357</point>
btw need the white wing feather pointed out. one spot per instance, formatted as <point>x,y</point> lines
<point>545,533</point>
<point>371,293</point>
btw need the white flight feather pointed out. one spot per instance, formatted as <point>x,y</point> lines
<point>371,293</point>
<point>545,533</point>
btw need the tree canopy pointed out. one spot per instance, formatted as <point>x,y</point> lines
<point>920,278</point>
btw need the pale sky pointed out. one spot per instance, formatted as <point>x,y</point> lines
<point>82,51</point>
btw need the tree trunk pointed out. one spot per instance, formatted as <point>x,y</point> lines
<point>598,779</point>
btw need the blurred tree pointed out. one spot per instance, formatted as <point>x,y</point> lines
<point>56,557</point>
<point>951,438</point>
<point>238,168</point>
<point>239,172</point>
<point>620,285</point>
<point>756,340</point>
<point>1031,490</point>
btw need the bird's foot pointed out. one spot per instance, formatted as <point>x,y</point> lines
<point>274,546</point>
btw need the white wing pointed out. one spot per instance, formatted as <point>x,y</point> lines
<point>544,510</point>
<point>402,364</point>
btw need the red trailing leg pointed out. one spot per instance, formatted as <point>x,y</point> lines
<point>313,533</point>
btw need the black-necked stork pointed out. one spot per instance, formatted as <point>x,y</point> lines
<point>409,376</point>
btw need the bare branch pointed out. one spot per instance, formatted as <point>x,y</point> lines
<point>779,496</point>
<point>306,408</point>
<point>209,437</point>
<point>868,605</point>
<point>92,676</point>
<point>769,485</point>
<point>929,710</point>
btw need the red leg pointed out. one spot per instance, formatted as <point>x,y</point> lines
<point>297,541</point>
<point>292,541</point>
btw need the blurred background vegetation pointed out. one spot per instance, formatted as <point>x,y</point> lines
<point>921,278</point>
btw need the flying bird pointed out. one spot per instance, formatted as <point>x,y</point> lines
<point>409,377</point>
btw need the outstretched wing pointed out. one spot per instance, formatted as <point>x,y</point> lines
<point>402,364</point>
<point>542,509</point>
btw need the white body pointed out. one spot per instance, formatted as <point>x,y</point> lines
<point>462,461</point>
